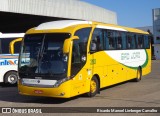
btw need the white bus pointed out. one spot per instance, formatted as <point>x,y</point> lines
<point>9,51</point>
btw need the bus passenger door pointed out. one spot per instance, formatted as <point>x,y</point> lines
<point>79,64</point>
<point>98,56</point>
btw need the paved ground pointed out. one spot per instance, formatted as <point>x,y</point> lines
<point>145,93</point>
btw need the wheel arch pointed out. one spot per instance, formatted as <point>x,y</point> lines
<point>99,82</point>
<point>140,67</point>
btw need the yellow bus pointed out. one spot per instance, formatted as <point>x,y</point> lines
<point>71,57</point>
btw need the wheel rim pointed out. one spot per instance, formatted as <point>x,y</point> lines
<point>93,86</point>
<point>138,74</point>
<point>12,79</point>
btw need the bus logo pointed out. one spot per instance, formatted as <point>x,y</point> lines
<point>8,62</point>
<point>6,110</point>
<point>38,81</point>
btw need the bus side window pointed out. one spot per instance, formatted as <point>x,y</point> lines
<point>114,39</point>
<point>128,43</point>
<point>146,42</point>
<point>106,40</point>
<point>131,44</point>
<point>119,40</point>
<point>5,45</point>
<point>123,34</point>
<point>140,41</point>
<point>111,39</point>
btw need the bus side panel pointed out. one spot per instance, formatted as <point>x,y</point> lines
<point>5,70</point>
<point>130,60</point>
<point>109,70</point>
<point>116,72</point>
<point>99,67</point>
<point>147,69</point>
<point>131,73</point>
<point>80,83</point>
<point>7,65</point>
<point>121,73</point>
<point>2,74</point>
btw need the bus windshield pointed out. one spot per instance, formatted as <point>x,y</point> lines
<point>42,56</point>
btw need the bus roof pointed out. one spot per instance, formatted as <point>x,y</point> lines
<point>53,25</point>
<point>60,24</point>
<point>11,35</point>
<point>120,28</point>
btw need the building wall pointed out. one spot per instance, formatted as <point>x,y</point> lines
<point>156,32</point>
<point>72,9</point>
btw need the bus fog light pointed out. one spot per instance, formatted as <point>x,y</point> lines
<point>62,94</point>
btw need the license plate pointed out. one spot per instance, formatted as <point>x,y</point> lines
<point>38,91</point>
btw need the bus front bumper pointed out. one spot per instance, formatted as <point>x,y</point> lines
<point>63,91</point>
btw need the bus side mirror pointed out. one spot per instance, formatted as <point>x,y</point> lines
<point>11,45</point>
<point>67,43</point>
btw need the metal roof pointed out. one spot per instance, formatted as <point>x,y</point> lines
<point>70,9</point>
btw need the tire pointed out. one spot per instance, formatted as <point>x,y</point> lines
<point>139,75</point>
<point>11,78</point>
<point>94,87</point>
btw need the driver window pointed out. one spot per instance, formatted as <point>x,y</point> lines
<point>79,50</point>
<point>97,40</point>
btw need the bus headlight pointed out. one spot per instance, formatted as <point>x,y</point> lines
<point>59,82</point>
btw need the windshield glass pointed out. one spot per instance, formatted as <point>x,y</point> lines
<point>42,56</point>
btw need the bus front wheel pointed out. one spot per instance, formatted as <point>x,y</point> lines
<point>94,87</point>
<point>11,78</point>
